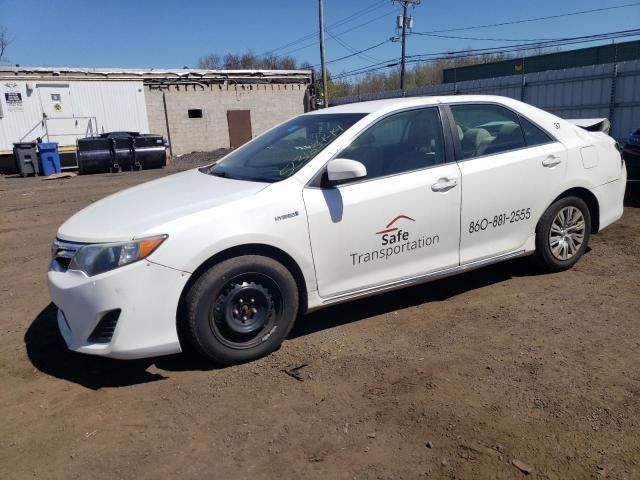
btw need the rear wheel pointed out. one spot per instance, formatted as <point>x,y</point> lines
<point>562,234</point>
<point>241,309</point>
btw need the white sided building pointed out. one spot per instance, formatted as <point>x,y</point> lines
<point>195,109</point>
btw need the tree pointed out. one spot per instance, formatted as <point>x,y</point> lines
<point>231,61</point>
<point>418,75</point>
<point>210,62</point>
<point>248,61</point>
<point>5,41</point>
<point>307,66</point>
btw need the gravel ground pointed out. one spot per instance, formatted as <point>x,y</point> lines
<point>485,375</point>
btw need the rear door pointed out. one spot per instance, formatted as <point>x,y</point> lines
<point>510,170</point>
<point>239,127</point>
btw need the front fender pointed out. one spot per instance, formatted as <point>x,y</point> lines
<point>278,221</point>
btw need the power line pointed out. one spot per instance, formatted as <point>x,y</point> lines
<point>434,33</point>
<point>482,39</point>
<point>349,48</point>
<point>484,51</point>
<point>357,53</point>
<point>375,6</point>
<point>302,47</point>
<point>359,13</point>
<point>503,49</point>
<point>547,44</point>
<point>513,22</point>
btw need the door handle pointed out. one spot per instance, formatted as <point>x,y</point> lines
<point>551,161</point>
<point>443,185</point>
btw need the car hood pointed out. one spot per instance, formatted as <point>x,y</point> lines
<point>123,215</point>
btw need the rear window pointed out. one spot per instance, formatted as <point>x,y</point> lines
<point>487,129</point>
<point>532,134</point>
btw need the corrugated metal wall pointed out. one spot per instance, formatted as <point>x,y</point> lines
<point>116,105</point>
<point>111,105</point>
<point>620,52</point>
<point>610,91</point>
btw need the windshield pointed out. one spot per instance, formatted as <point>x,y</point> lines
<point>281,152</point>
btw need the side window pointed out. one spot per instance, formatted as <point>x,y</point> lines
<point>534,135</point>
<point>487,129</point>
<point>389,133</point>
<point>400,143</point>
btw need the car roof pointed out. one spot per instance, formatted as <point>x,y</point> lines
<point>399,103</point>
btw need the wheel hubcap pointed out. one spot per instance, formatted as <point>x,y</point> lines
<point>567,233</point>
<point>245,310</point>
<point>246,307</point>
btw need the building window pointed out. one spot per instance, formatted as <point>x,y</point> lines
<point>195,113</point>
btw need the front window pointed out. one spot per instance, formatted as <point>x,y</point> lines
<point>282,151</point>
<point>402,142</point>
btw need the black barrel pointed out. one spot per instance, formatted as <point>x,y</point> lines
<point>94,155</point>
<point>149,151</point>
<point>118,151</point>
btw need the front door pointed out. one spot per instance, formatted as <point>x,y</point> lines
<point>510,171</point>
<point>57,111</point>
<point>401,221</point>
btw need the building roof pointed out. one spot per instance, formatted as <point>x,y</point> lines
<point>154,74</point>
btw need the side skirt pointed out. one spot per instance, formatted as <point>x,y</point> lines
<point>429,277</point>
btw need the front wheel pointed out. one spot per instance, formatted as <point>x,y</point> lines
<point>241,309</point>
<point>562,234</point>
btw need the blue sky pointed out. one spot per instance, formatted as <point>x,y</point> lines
<point>165,34</point>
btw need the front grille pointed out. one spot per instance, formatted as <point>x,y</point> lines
<point>105,328</point>
<point>63,252</point>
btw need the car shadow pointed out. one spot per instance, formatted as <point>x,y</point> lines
<point>48,353</point>
<point>434,291</point>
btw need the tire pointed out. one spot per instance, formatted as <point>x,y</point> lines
<point>240,309</point>
<point>561,248</point>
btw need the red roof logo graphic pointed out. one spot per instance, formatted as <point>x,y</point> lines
<point>391,228</point>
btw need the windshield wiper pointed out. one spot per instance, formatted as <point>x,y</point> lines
<point>222,174</point>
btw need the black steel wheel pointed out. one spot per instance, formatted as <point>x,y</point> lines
<point>245,310</point>
<point>241,309</point>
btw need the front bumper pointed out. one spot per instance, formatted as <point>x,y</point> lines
<point>147,295</point>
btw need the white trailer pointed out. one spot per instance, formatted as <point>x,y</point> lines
<point>63,105</point>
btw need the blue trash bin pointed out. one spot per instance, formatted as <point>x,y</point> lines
<point>49,159</point>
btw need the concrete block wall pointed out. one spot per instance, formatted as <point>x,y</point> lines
<point>269,106</point>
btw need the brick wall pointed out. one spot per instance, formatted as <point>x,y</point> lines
<point>269,105</point>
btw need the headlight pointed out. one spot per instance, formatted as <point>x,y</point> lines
<point>100,258</point>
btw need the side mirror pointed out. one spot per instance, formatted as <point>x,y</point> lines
<point>340,170</point>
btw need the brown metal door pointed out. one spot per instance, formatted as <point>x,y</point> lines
<point>239,127</point>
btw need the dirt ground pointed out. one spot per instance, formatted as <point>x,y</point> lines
<point>462,378</point>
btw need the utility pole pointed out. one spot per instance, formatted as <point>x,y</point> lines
<point>325,89</point>
<point>405,23</point>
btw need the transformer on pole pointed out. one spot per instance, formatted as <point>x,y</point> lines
<point>405,23</point>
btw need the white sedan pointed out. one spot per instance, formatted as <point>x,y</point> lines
<point>330,206</point>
